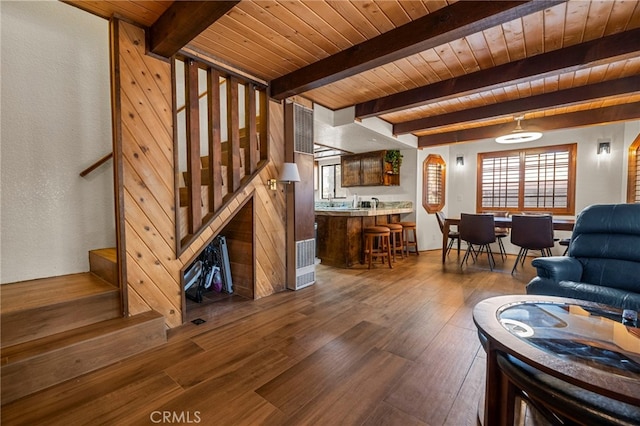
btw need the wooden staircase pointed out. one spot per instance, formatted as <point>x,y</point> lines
<point>55,329</point>
<point>204,178</point>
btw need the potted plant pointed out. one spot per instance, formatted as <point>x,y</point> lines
<point>394,157</point>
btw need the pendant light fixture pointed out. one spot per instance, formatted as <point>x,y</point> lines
<point>518,135</point>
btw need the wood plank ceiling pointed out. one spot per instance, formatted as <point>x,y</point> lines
<point>444,71</point>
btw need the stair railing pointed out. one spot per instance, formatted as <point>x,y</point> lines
<point>95,165</point>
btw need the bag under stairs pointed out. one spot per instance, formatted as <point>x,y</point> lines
<point>55,329</point>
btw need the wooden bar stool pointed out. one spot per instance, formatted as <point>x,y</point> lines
<point>397,239</point>
<point>377,244</point>
<point>410,227</point>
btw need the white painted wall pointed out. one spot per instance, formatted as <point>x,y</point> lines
<point>203,115</point>
<point>405,192</point>
<point>56,121</point>
<point>631,133</point>
<point>599,179</point>
<point>429,235</point>
<point>339,129</point>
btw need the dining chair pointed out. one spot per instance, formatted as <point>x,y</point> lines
<point>542,213</point>
<point>531,232</point>
<point>479,230</point>
<point>535,213</point>
<point>501,233</point>
<point>453,235</point>
<point>565,242</point>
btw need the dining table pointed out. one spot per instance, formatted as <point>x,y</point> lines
<point>501,222</point>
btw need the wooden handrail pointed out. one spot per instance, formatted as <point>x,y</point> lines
<point>200,96</point>
<point>96,165</point>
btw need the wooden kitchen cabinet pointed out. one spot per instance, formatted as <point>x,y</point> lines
<point>367,169</point>
<point>372,168</point>
<point>350,170</point>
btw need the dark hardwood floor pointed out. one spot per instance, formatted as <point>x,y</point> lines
<point>360,347</point>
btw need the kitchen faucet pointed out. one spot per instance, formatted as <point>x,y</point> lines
<point>376,201</point>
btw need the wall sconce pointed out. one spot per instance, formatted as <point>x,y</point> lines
<point>604,146</point>
<point>460,160</point>
<point>288,174</point>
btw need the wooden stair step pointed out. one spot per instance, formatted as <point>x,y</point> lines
<point>184,196</point>
<point>204,176</point>
<point>224,159</point>
<point>38,364</point>
<point>104,263</point>
<point>32,309</point>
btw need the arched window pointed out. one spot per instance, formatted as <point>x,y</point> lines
<point>633,182</point>
<point>433,182</point>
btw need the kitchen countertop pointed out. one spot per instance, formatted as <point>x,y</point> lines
<point>351,212</point>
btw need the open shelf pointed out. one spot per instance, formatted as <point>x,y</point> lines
<point>238,232</point>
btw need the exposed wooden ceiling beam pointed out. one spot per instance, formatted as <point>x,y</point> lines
<point>442,26</point>
<point>588,54</point>
<point>182,22</point>
<point>560,98</point>
<point>590,117</point>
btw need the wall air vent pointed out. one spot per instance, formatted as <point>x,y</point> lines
<point>305,263</point>
<point>303,129</point>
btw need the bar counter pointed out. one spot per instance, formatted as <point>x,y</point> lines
<point>348,212</point>
<point>340,231</point>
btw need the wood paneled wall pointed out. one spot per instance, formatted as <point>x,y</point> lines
<point>143,132</point>
<point>240,243</point>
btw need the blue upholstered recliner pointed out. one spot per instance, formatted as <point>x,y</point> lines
<point>603,262</point>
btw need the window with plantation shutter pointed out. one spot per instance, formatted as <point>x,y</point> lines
<point>433,183</point>
<point>633,181</point>
<point>537,179</point>
<point>500,181</point>
<point>546,180</point>
<point>636,198</point>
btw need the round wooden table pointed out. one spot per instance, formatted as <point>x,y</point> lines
<point>580,343</point>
